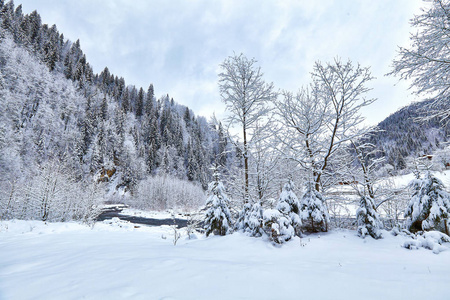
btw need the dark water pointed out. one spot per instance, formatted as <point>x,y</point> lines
<point>115,212</point>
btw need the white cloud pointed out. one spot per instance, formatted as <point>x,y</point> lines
<point>178,45</point>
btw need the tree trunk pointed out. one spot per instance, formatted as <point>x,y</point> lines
<point>446,227</point>
<point>246,197</point>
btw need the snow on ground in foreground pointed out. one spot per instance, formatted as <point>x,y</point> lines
<point>115,260</point>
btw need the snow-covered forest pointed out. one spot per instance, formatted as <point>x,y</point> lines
<point>283,168</point>
<point>59,120</point>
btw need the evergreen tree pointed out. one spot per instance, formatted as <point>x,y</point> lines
<point>277,226</point>
<point>80,71</point>
<point>313,212</point>
<point>87,128</point>
<point>104,109</point>
<point>254,220</point>
<point>250,219</point>
<point>289,205</point>
<point>218,217</point>
<point>7,16</point>
<point>140,103</point>
<point>191,163</point>
<point>68,69</point>
<point>282,223</point>
<point>35,33</point>
<point>126,101</point>
<point>429,206</point>
<point>367,218</point>
<point>149,103</point>
<point>154,143</point>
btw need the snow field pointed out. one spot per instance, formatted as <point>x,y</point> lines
<point>115,260</point>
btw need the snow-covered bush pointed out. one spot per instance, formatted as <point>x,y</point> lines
<point>249,219</point>
<point>282,223</point>
<point>367,218</point>
<point>217,217</point>
<point>429,206</point>
<point>289,205</point>
<point>252,222</point>
<point>164,192</point>
<point>432,240</point>
<point>242,218</point>
<point>51,194</point>
<point>313,212</point>
<point>277,226</point>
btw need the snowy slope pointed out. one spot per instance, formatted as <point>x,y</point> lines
<point>118,261</point>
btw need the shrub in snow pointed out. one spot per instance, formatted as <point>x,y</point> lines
<point>52,194</point>
<point>242,220</point>
<point>218,217</point>
<point>252,221</point>
<point>432,240</point>
<point>277,226</point>
<point>429,206</point>
<point>367,218</point>
<point>193,222</point>
<point>165,192</point>
<point>289,205</point>
<point>313,212</point>
<point>282,223</point>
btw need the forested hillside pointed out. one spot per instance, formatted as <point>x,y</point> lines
<point>403,135</point>
<point>58,116</point>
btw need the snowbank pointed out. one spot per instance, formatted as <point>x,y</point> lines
<point>116,260</point>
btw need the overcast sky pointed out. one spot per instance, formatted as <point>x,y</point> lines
<point>178,45</point>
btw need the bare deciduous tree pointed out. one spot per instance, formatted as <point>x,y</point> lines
<point>427,60</point>
<point>319,120</point>
<point>245,95</point>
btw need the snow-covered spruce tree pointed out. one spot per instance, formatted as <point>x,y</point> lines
<point>367,218</point>
<point>218,217</point>
<point>429,206</point>
<point>313,211</point>
<point>366,215</point>
<point>277,226</point>
<point>289,205</point>
<point>282,223</point>
<point>252,220</point>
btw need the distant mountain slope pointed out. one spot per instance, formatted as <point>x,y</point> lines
<point>55,108</point>
<point>402,135</point>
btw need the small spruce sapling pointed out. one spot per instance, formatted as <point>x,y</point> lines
<point>281,224</point>
<point>429,206</point>
<point>253,221</point>
<point>313,212</point>
<point>289,205</point>
<point>367,218</point>
<point>218,217</point>
<point>277,226</point>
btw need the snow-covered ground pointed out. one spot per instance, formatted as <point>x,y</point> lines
<point>403,180</point>
<point>115,260</point>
